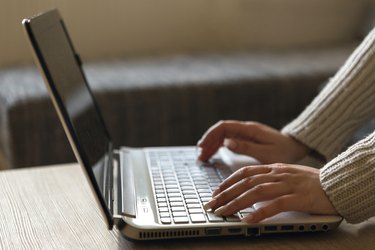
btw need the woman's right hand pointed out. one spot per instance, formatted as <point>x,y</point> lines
<point>257,140</point>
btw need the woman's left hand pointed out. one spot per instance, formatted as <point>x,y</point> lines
<point>286,187</point>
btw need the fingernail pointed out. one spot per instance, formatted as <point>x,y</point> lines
<point>199,142</point>
<point>220,211</point>
<point>230,144</point>
<point>209,204</point>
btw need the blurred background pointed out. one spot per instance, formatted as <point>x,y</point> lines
<point>164,71</point>
<point>145,27</point>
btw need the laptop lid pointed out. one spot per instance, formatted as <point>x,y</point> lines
<point>71,95</point>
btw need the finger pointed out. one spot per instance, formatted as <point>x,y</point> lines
<point>276,206</point>
<point>240,174</point>
<point>239,188</point>
<point>263,192</point>
<point>214,137</point>
<point>256,150</point>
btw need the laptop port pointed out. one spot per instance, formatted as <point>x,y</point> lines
<point>213,231</point>
<point>325,227</point>
<point>270,228</point>
<point>313,227</point>
<point>252,231</point>
<point>287,227</point>
<point>301,228</point>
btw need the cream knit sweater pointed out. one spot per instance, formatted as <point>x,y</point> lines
<point>347,101</point>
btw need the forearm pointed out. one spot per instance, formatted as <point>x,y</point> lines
<point>344,104</point>
<point>349,181</point>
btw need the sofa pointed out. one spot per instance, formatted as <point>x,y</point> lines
<point>163,74</point>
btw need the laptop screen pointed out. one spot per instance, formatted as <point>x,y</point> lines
<point>73,98</point>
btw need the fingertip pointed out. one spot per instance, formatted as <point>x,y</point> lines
<point>250,219</point>
<point>202,159</point>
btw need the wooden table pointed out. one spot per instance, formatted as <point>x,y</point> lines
<point>52,207</point>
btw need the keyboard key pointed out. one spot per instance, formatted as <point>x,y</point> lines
<point>173,190</point>
<point>214,218</point>
<point>190,196</point>
<point>159,191</point>
<point>162,204</point>
<point>188,191</point>
<point>161,195</point>
<point>181,220</point>
<point>192,201</point>
<point>164,214</point>
<point>205,195</point>
<point>171,199</point>
<point>163,209</point>
<point>179,214</point>
<point>174,195</point>
<point>233,218</point>
<point>176,204</point>
<point>205,199</point>
<point>197,218</point>
<point>195,210</point>
<point>193,205</point>
<point>166,220</point>
<point>161,200</point>
<point>177,209</point>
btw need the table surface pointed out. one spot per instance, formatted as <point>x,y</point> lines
<point>52,207</point>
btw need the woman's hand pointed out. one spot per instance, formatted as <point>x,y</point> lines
<point>285,187</point>
<point>264,143</point>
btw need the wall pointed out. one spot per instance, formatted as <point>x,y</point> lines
<point>101,29</point>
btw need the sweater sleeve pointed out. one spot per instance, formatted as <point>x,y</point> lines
<point>346,102</point>
<point>349,181</point>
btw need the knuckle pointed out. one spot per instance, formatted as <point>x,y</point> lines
<point>235,204</point>
<point>278,168</point>
<point>247,182</point>
<point>243,172</point>
<point>258,190</point>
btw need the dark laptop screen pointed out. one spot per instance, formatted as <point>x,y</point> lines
<point>73,97</point>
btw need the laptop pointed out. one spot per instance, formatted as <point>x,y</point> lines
<point>147,193</point>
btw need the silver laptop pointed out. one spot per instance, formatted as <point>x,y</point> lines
<point>147,193</point>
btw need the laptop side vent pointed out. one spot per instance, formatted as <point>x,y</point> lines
<point>168,234</point>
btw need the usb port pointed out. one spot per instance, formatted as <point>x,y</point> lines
<point>252,231</point>
<point>270,228</point>
<point>213,231</point>
<point>287,227</point>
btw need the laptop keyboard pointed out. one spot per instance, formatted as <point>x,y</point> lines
<point>182,187</point>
